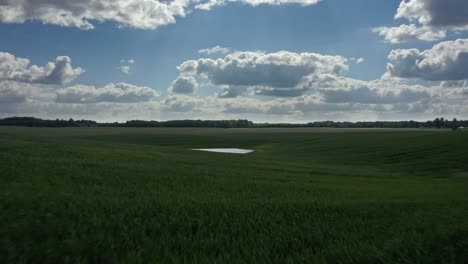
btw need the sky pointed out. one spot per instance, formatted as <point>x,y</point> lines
<point>262,60</point>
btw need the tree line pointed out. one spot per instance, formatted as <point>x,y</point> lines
<point>37,122</point>
<point>436,123</point>
<point>241,123</point>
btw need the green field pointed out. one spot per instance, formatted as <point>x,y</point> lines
<point>305,195</point>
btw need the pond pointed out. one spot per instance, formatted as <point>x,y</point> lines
<point>227,150</point>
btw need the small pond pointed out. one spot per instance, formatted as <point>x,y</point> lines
<point>227,150</point>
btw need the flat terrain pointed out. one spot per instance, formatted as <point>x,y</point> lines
<point>304,195</point>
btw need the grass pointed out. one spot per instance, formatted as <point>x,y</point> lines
<point>306,195</point>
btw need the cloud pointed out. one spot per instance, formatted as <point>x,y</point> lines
<point>431,20</point>
<point>266,72</point>
<point>454,89</point>
<point>335,104</point>
<point>457,93</point>
<point>231,91</point>
<point>243,106</point>
<point>287,74</point>
<point>125,65</point>
<point>11,93</point>
<point>349,100</point>
<point>117,93</point>
<point>330,97</point>
<point>337,89</point>
<point>214,50</point>
<point>207,5</point>
<point>452,14</point>
<point>129,61</point>
<point>15,96</point>
<point>454,84</point>
<point>140,14</point>
<point>405,33</point>
<point>366,95</point>
<point>280,86</point>
<point>445,61</point>
<point>125,69</point>
<point>18,69</point>
<point>184,85</point>
<point>357,60</point>
<point>279,92</point>
<point>280,69</point>
<point>180,103</point>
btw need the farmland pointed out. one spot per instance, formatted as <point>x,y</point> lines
<point>305,195</point>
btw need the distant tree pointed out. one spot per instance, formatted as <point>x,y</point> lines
<point>241,123</point>
<point>455,124</point>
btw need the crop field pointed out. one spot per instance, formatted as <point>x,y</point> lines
<point>139,195</point>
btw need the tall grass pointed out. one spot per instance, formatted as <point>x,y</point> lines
<point>305,195</point>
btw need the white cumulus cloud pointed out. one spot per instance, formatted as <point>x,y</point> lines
<point>263,71</point>
<point>208,4</point>
<point>184,85</point>
<point>140,14</point>
<point>214,50</point>
<point>125,69</point>
<point>143,14</point>
<point>125,65</point>
<point>430,20</point>
<point>116,93</point>
<point>445,61</point>
<point>405,33</point>
<point>451,14</point>
<point>20,70</point>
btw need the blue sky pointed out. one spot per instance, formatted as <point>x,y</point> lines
<point>330,27</point>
